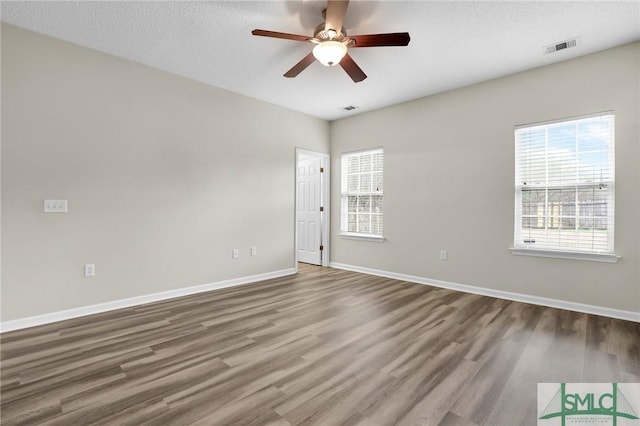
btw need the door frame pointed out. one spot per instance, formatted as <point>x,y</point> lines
<point>324,202</point>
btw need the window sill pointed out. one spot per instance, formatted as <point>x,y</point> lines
<point>362,237</point>
<point>572,255</point>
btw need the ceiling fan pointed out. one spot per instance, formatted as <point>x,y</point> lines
<point>332,42</point>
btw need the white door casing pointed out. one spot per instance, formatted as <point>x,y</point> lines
<point>309,182</point>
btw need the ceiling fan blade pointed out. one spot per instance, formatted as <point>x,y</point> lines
<point>300,66</point>
<point>275,34</point>
<point>373,40</point>
<point>336,9</point>
<point>355,72</point>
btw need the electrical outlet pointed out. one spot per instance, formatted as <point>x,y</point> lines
<point>89,270</point>
<point>235,254</point>
<point>443,255</point>
<point>254,251</point>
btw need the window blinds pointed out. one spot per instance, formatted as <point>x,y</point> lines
<point>362,192</point>
<point>565,185</point>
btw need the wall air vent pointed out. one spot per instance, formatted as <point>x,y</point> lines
<point>561,45</point>
<point>350,108</point>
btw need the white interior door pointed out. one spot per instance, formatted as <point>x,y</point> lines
<point>308,206</point>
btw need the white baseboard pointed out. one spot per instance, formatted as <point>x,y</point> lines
<point>155,297</point>
<point>499,294</point>
<point>134,301</point>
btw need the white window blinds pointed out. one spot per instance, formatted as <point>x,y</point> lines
<point>565,185</point>
<point>362,192</point>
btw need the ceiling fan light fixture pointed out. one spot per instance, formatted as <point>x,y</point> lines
<point>330,52</point>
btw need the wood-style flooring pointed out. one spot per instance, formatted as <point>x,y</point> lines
<point>324,347</point>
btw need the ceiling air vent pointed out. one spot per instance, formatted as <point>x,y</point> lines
<point>350,108</point>
<point>561,45</point>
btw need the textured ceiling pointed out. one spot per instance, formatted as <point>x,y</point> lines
<point>453,43</point>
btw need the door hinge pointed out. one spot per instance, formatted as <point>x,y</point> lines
<point>321,209</point>
<point>321,248</point>
<point>321,169</point>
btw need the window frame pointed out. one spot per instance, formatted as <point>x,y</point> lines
<point>558,251</point>
<point>345,194</point>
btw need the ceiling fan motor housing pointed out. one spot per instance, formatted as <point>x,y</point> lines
<point>321,34</point>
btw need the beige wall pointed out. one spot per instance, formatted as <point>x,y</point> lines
<point>452,153</point>
<point>164,177</point>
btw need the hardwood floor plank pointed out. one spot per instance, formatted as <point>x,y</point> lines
<point>452,420</point>
<point>517,402</point>
<point>435,405</point>
<point>69,377</point>
<point>476,403</point>
<point>322,347</point>
<point>48,399</point>
<point>410,389</point>
<point>32,415</point>
<point>624,342</point>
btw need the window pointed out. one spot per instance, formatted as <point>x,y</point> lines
<point>362,183</point>
<point>565,185</point>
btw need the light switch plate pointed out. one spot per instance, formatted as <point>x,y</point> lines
<point>55,206</point>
